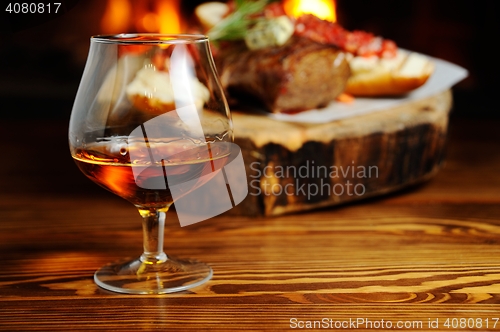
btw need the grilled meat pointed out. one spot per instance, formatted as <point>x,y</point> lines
<point>300,75</point>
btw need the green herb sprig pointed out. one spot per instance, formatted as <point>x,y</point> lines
<point>236,24</point>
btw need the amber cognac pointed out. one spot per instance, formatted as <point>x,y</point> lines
<point>143,180</point>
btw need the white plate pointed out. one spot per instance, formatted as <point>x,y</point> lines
<point>444,77</point>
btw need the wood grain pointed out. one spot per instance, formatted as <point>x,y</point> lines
<point>430,252</point>
<point>340,161</point>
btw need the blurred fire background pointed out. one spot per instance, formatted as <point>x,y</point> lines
<point>41,64</point>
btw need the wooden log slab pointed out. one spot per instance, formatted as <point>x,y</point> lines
<point>294,167</point>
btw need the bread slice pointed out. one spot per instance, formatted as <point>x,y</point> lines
<point>373,77</point>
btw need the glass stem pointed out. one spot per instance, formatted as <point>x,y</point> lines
<point>153,226</point>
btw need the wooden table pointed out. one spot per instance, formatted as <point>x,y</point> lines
<point>423,258</point>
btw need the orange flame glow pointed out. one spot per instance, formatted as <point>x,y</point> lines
<point>324,9</point>
<point>149,22</point>
<point>168,14</point>
<point>116,16</point>
<point>161,16</point>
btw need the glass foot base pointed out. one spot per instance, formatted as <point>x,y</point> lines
<point>136,277</point>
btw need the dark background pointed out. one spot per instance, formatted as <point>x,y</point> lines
<point>42,63</point>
